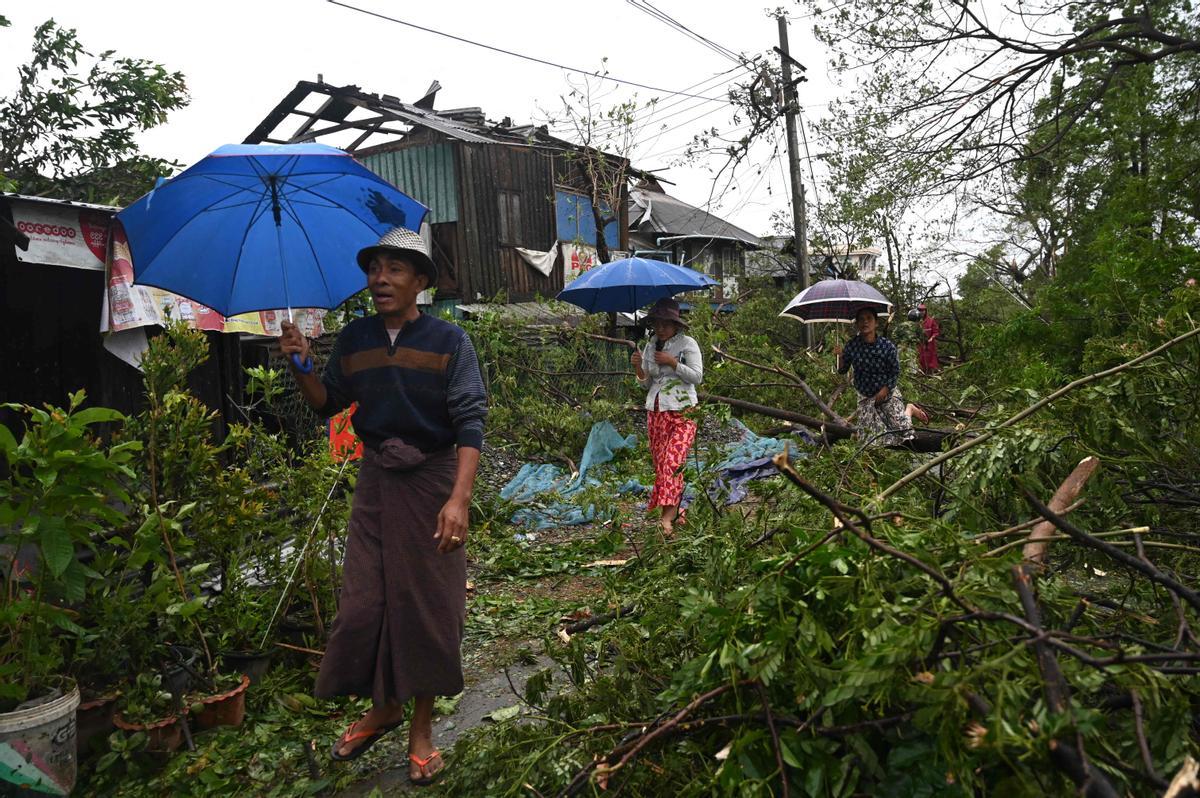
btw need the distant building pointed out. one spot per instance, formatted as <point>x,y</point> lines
<point>777,259</point>
<point>860,264</point>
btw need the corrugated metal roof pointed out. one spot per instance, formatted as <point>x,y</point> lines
<point>660,212</point>
<point>528,312</point>
<point>54,201</point>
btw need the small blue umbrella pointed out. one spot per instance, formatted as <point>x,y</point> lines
<point>264,226</point>
<point>631,283</point>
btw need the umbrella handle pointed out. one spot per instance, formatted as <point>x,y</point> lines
<point>303,366</point>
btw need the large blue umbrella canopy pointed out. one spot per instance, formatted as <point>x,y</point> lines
<point>264,226</point>
<point>836,300</point>
<point>631,283</point>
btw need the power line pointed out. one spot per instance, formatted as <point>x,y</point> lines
<point>684,149</point>
<point>664,17</point>
<point>515,54</point>
<point>656,109</point>
<point>653,112</point>
<point>808,157</point>
<point>666,130</point>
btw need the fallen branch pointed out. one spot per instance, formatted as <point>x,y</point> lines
<point>1131,531</point>
<point>1186,783</point>
<point>627,752</point>
<point>842,512</point>
<point>1071,761</point>
<point>1144,746</point>
<point>1127,560</point>
<point>1054,684</point>
<point>796,379</point>
<point>597,620</point>
<point>1021,527</point>
<point>783,779</point>
<point>835,431</point>
<point>1035,550</point>
<point>1029,411</point>
<point>623,341</point>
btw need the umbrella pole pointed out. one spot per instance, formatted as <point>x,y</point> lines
<point>303,366</point>
<point>277,213</point>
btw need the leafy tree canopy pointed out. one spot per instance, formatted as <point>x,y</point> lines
<point>70,126</point>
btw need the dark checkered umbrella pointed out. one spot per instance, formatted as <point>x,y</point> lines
<point>836,300</point>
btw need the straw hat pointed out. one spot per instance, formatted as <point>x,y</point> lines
<point>406,243</point>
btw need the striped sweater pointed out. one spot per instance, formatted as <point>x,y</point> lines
<point>424,388</point>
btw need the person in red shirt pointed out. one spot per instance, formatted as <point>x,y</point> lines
<point>927,358</point>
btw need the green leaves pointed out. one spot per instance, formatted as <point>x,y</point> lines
<point>61,490</point>
<point>80,115</point>
<point>58,549</point>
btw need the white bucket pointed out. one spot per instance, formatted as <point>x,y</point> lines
<point>37,747</point>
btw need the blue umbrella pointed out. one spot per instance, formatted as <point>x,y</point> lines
<point>264,226</point>
<point>628,284</point>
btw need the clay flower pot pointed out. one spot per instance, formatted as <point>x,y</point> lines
<point>163,735</point>
<point>223,709</point>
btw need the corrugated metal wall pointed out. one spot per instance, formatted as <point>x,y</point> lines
<point>489,266</point>
<point>426,173</point>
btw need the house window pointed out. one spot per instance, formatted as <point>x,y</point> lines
<point>510,217</point>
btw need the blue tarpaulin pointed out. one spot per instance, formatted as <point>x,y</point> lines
<point>535,481</point>
<point>552,489</point>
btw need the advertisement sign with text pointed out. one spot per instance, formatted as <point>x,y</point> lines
<point>62,235</point>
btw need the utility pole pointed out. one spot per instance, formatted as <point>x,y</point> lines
<point>791,110</point>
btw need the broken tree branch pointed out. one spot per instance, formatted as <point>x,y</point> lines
<point>597,620</point>
<point>1143,745</point>
<point>1035,550</point>
<point>794,378</point>
<point>1054,683</point>
<point>783,779</point>
<point>1017,528</point>
<point>1127,560</point>
<point>987,434</point>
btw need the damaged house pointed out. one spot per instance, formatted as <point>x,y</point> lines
<point>510,213</point>
<point>667,227</point>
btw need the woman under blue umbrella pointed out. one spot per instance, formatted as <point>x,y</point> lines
<point>669,368</point>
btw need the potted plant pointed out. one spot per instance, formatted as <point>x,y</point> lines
<point>238,618</point>
<point>225,705</point>
<point>148,708</point>
<point>59,497</point>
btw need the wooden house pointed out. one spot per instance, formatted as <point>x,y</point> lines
<point>667,227</point>
<point>498,194</point>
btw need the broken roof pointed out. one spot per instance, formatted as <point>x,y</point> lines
<point>347,117</point>
<point>654,210</point>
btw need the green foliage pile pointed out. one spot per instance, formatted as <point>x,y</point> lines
<point>847,670</point>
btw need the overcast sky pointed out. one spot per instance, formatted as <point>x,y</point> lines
<point>241,58</point>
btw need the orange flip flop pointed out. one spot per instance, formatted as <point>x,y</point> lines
<point>425,781</point>
<point>368,736</point>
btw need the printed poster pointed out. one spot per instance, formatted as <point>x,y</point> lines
<point>62,235</point>
<point>577,259</point>
<point>131,306</point>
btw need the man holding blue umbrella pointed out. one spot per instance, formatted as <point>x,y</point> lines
<point>421,410</point>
